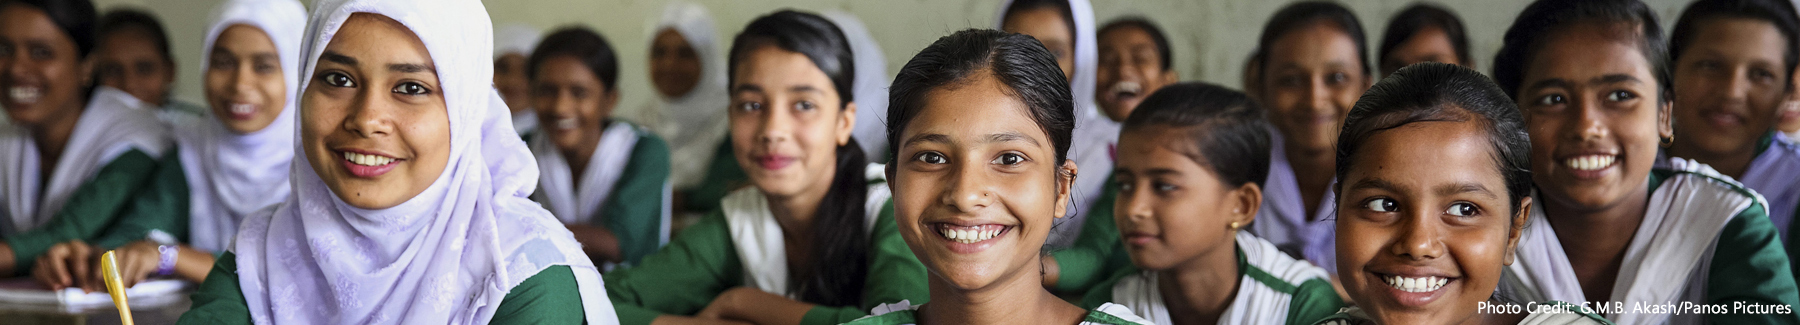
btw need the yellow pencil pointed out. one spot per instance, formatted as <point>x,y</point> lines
<point>114,286</point>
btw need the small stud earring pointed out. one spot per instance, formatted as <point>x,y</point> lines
<point>1234,225</point>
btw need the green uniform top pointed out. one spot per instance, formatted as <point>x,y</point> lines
<point>1306,295</point>
<point>162,205</point>
<point>89,211</point>
<point>634,209</point>
<point>549,297</point>
<point>1748,264</point>
<point>1097,253</point>
<point>702,262</point>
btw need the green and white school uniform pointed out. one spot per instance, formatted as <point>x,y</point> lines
<point>624,188</point>
<point>906,313</point>
<point>742,245</point>
<point>1704,239</point>
<point>1097,253</point>
<point>110,155</point>
<point>1561,313</point>
<point>1273,288</point>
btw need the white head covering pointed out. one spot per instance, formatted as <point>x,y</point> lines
<point>694,123</point>
<point>1087,53</point>
<point>515,38</point>
<point>447,255</point>
<point>233,175</point>
<point>870,86</point>
<point>112,124</point>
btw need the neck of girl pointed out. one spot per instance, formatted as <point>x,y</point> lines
<point>1728,163</point>
<point>1017,298</point>
<point>1198,291</point>
<point>1313,169</point>
<point>53,135</point>
<point>581,154</point>
<point>1595,238</point>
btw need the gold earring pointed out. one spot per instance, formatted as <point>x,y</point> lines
<point>1234,225</point>
<point>1667,141</point>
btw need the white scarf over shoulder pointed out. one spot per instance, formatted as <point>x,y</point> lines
<point>112,124</point>
<point>232,175</point>
<point>446,256</point>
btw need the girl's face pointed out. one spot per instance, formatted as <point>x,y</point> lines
<point>40,67</point>
<point>1313,75</point>
<point>976,185</point>
<point>1171,210</point>
<point>572,103</point>
<point>245,85</point>
<point>1130,70</point>
<point>128,60</point>
<point>1047,26</point>
<point>510,79</point>
<point>1590,104</point>
<point>786,122</point>
<point>376,128</point>
<point>674,66</point>
<point>1727,83</point>
<point>1430,44</point>
<point>1424,228</point>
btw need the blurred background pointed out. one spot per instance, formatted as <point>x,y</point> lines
<point>1210,38</point>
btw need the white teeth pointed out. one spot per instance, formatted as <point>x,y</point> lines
<point>1127,86</point>
<point>1425,284</point>
<point>25,95</point>
<point>969,235</point>
<point>566,124</point>
<point>1590,162</point>
<point>367,160</point>
<point>243,109</point>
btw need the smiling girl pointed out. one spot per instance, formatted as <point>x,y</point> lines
<point>1435,193</point>
<point>76,153</point>
<point>233,162</point>
<point>981,121</point>
<point>811,241</point>
<point>410,201</point>
<point>1592,79</point>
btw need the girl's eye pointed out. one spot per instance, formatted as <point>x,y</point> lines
<point>805,105</point>
<point>1461,209</point>
<point>1124,187</point>
<point>750,106</point>
<point>931,158</point>
<point>1008,159</point>
<point>265,68</point>
<point>1552,100</point>
<point>1620,96</point>
<point>1339,77</point>
<point>411,88</point>
<point>338,80</point>
<point>1382,205</point>
<point>1164,187</point>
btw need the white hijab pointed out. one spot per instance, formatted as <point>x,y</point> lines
<point>694,123</point>
<point>112,124</point>
<point>1087,54</point>
<point>870,86</point>
<point>447,256</point>
<point>233,175</point>
<point>521,39</point>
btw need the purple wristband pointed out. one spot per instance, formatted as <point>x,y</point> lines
<point>167,264</point>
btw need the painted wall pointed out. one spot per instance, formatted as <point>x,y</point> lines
<point>1210,38</point>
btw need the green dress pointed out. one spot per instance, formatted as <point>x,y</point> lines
<point>702,262</point>
<point>1273,288</point>
<point>1098,253</point>
<point>95,205</point>
<point>549,297</point>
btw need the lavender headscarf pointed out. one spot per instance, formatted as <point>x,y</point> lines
<point>446,256</point>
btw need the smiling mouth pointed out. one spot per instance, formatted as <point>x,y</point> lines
<point>970,235</point>
<point>1126,90</point>
<point>368,160</point>
<point>1418,284</point>
<point>567,124</point>
<point>25,95</point>
<point>1591,162</point>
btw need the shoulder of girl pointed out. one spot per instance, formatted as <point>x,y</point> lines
<point>1114,314</point>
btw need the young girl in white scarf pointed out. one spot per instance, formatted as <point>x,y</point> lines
<point>74,155</point>
<point>229,164</point>
<point>409,190</point>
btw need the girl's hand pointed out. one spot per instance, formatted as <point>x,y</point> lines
<point>755,306</point>
<point>137,261</point>
<point>65,265</point>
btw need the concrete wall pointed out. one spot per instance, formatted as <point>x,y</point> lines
<point>1210,38</point>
